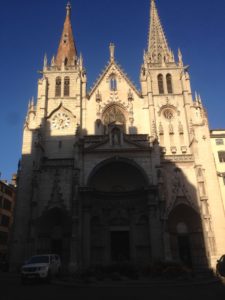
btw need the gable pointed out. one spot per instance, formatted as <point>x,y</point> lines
<point>122,81</point>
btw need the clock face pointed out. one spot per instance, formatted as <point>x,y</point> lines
<point>60,121</point>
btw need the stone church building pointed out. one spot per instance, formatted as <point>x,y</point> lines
<point>117,174</point>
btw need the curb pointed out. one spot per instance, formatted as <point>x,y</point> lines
<point>134,284</point>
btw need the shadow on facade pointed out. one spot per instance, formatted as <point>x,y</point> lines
<point>101,200</point>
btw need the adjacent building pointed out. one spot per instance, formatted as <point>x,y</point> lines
<point>218,148</point>
<point>115,173</point>
<point>7,203</point>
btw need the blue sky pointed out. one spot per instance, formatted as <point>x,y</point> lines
<point>28,29</point>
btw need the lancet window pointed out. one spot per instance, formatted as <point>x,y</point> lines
<point>160,84</point>
<point>113,83</point>
<point>58,84</point>
<point>169,84</point>
<point>66,86</point>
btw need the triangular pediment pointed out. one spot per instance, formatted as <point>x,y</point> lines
<point>113,68</point>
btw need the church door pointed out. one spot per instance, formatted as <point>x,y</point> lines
<point>120,246</point>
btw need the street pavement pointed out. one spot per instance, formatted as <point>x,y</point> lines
<point>12,289</point>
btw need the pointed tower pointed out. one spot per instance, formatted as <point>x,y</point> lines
<point>67,52</point>
<point>180,126</point>
<point>158,49</point>
<point>63,82</point>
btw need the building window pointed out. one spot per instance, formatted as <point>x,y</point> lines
<point>8,192</point>
<point>169,84</point>
<point>114,115</point>
<point>219,142</point>
<point>5,221</point>
<point>160,84</point>
<point>3,238</point>
<point>58,84</point>
<point>113,83</point>
<point>7,205</point>
<point>221,155</point>
<point>66,86</point>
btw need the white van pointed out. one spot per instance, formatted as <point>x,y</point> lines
<point>41,267</point>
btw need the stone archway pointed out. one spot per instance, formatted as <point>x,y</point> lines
<point>186,237</point>
<point>118,173</point>
<point>113,207</point>
<point>53,232</point>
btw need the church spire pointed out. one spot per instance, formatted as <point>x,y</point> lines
<point>67,50</point>
<point>158,49</point>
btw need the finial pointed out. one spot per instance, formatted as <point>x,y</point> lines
<point>81,61</point>
<point>196,96</point>
<point>112,51</point>
<point>68,9</point>
<point>29,105</point>
<point>180,58</point>
<point>53,61</point>
<point>45,61</point>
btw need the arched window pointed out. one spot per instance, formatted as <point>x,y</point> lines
<point>58,84</point>
<point>160,84</point>
<point>113,83</point>
<point>66,86</point>
<point>169,84</point>
<point>114,115</point>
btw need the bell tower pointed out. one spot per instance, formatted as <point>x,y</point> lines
<point>178,121</point>
<point>166,88</point>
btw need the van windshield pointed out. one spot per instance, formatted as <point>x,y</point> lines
<point>38,259</point>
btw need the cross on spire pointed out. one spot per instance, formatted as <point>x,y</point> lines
<point>68,9</point>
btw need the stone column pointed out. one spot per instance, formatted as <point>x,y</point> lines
<point>86,237</point>
<point>75,244</point>
<point>167,247</point>
<point>132,238</point>
<point>155,228</point>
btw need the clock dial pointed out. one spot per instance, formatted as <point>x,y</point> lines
<point>60,121</point>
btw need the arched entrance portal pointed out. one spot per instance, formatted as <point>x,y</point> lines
<point>116,212</point>
<point>53,230</point>
<point>186,236</point>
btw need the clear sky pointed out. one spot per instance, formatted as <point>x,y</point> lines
<point>28,29</point>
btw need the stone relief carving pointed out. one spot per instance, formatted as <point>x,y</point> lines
<point>171,130</point>
<point>56,194</point>
<point>180,193</point>
<point>161,131</point>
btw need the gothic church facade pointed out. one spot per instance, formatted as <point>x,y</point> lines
<point>116,174</point>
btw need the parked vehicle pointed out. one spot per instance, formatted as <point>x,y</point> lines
<point>41,267</point>
<point>220,267</point>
